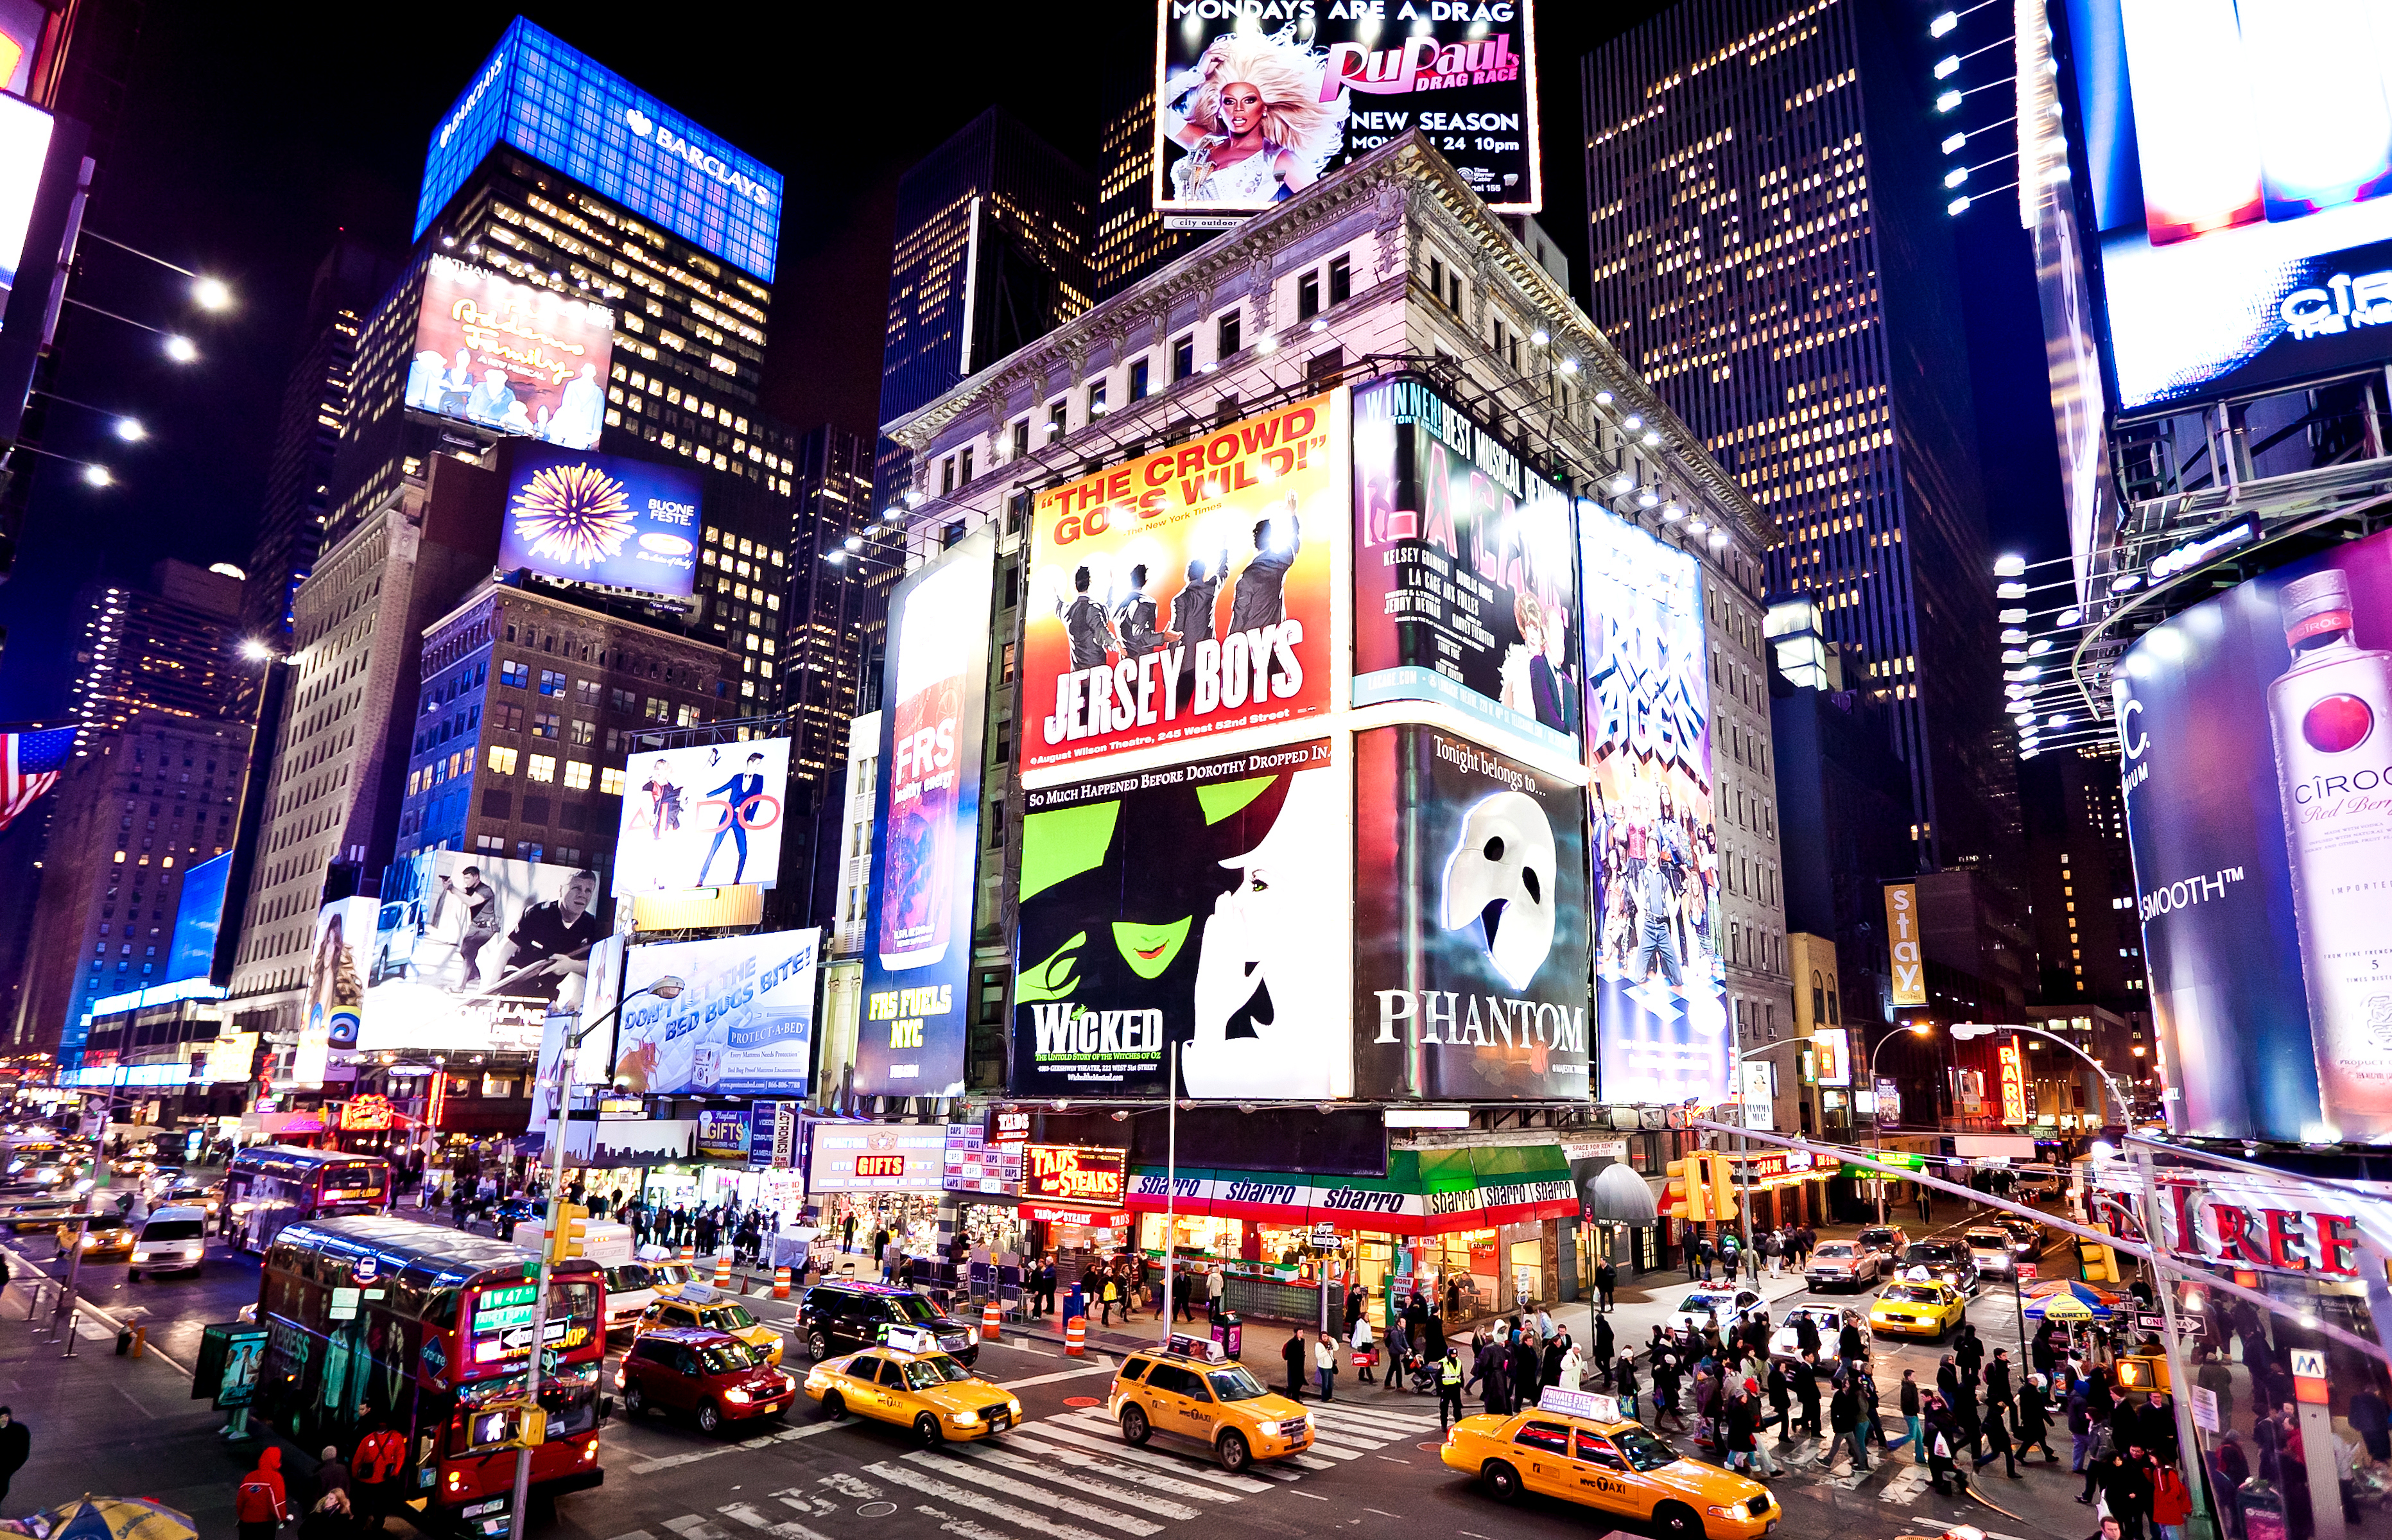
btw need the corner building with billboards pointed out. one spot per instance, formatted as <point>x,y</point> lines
<point>1337,699</point>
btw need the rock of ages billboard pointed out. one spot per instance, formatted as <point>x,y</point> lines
<point>1188,592</point>
<point>1202,904</point>
<point>1470,922</point>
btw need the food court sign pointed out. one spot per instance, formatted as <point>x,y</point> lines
<point>1071,1174</point>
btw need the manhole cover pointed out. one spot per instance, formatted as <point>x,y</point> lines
<point>876,1510</point>
<point>1432,1448</point>
<point>1082,1401</point>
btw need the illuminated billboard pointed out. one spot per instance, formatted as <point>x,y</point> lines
<point>471,948</point>
<point>1202,904</point>
<point>1466,588</point>
<point>1250,111</point>
<point>926,826</point>
<point>744,1025</point>
<point>627,523</point>
<point>573,115</point>
<point>1470,922</point>
<point>1187,593</point>
<point>702,816</point>
<point>2242,187</point>
<point>199,915</point>
<point>24,150</point>
<point>1660,978</point>
<point>335,990</point>
<point>506,356</point>
<point>2255,736</point>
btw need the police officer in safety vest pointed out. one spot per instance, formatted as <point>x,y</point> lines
<point>1448,1389</point>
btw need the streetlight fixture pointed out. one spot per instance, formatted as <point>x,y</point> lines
<point>130,430</point>
<point>1877,1114</point>
<point>181,349</point>
<point>98,475</point>
<point>211,293</point>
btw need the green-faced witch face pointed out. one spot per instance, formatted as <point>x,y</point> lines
<point>1148,948</point>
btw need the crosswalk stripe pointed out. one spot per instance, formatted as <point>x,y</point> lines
<point>997,1480</point>
<point>1093,1419</point>
<point>1386,1411</point>
<point>981,1502</point>
<point>1144,1501</point>
<point>781,1529</point>
<point>693,1526</point>
<point>1323,1444</point>
<point>1118,1472</point>
<point>1307,1462</point>
<point>1194,1465</point>
<point>1363,1423</point>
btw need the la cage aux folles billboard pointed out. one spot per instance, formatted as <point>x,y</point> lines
<point>626,524</point>
<point>509,357</point>
<point>918,964</point>
<point>2263,855</point>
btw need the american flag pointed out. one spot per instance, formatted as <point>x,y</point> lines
<point>34,760</point>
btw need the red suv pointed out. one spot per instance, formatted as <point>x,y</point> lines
<point>711,1375</point>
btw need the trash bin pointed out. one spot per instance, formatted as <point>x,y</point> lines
<point>1229,1331</point>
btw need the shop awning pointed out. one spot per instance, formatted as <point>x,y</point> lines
<point>1425,1193</point>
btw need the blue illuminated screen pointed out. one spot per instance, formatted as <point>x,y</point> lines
<point>198,915</point>
<point>573,115</point>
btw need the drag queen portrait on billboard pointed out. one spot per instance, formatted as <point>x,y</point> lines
<point>1251,118</point>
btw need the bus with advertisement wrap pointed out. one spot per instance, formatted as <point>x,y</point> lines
<point>377,1323</point>
<point>267,1187</point>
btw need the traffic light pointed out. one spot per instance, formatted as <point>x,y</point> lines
<point>572,1232</point>
<point>1721,1173</point>
<point>2096,1262</point>
<point>1693,1192</point>
<point>505,1425</point>
<point>2144,1371</point>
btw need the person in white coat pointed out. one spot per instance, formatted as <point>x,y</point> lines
<point>1362,1351</point>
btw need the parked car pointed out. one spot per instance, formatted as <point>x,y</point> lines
<point>1843,1264</point>
<point>841,1316</point>
<point>711,1375</point>
<point>173,1240</point>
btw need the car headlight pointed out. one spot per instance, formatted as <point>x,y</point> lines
<point>971,1335</point>
<point>193,1253</point>
<point>789,1382</point>
<point>1013,1410</point>
<point>1728,1511</point>
<point>736,1398</point>
<point>964,1419</point>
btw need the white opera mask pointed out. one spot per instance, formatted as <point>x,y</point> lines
<point>1501,878</point>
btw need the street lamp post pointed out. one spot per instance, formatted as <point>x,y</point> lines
<point>667,988</point>
<point>1877,1114</point>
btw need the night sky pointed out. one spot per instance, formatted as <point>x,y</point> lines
<point>244,150</point>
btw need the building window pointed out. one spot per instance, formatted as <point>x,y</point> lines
<point>1096,398</point>
<point>502,760</point>
<point>946,475</point>
<point>545,724</point>
<point>514,674</point>
<point>551,682</point>
<point>582,732</point>
<point>610,781</point>
<point>1139,389</point>
<point>1307,297</point>
<point>657,710</point>
<point>1228,339</point>
<point>1183,357</point>
<point>526,851</point>
<point>497,804</point>
<point>577,775</point>
<point>1341,280</point>
<point>1436,275</point>
<point>535,810</point>
<point>1022,438</point>
<point>540,767</point>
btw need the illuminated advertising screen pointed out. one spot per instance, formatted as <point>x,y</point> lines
<point>2241,188</point>
<point>1202,904</point>
<point>199,915</point>
<point>722,1134</point>
<point>1187,593</point>
<point>24,150</point>
<point>742,1025</point>
<point>471,948</point>
<point>508,357</point>
<point>1831,1056</point>
<point>2013,1066</point>
<point>1660,978</point>
<point>702,816</point>
<point>1470,922</point>
<point>627,523</point>
<point>926,838</point>
<point>2255,736</point>
<point>1251,111</point>
<point>573,115</point>
<point>335,988</point>
<point>879,1160</point>
<point>1465,588</point>
<point>1072,1173</point>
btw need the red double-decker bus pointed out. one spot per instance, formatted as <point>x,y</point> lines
<point>377,1323</point>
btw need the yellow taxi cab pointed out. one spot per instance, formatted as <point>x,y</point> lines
<point>909,1382</point>
<point>1918,1307</point>
<point>1193,1390</point>
<point>1575,1446</point>
<point>104,1239</point>
<point>699,1306</point>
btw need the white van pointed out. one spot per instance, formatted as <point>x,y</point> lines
<point>630,1288</point>
<point>173,1240</point>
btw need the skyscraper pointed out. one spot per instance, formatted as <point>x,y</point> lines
<point>1127,239</point>
<point>172,649</point>
<point>1766,247</point>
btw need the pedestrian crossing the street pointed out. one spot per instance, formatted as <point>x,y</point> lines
<point>1065,1477</point>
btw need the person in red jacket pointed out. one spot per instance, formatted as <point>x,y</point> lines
<point>261,1505</point>
<point>380,1453</point>
<point>2171,1504</point>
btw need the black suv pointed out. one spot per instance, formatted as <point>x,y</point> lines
<point>1947,1260</point>
<point>842,1317</point>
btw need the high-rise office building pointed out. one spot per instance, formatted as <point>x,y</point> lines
<point>172,649</point>
<point>1766,247</point>
<point>315,409</point>
<point>1127,239</point>
<point>823,652</point>
<point>991,254</point>
<point>2089,933</point>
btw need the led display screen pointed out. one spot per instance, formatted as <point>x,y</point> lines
<point>199,915</point>
<point>505,355</point>
<point>1660,978</point>
<point>1251,111</point>
<point>2240,153</point>
<point>626,524</point>
<point>335,989</point>
<point>926,837</point>
<point>2256,742</point>
<point>573,115</point>
<point>1188,592</point>
<point>471,951</point>
<point>701,816</point>
<point>24,149</point>
<point>742,1026</point>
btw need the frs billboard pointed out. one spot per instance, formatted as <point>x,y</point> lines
<point>1202,904</point>
<point>505,355</point>
<point>1658,975</point>
<point>1252,110</point>
<point>626,524</point>
<point>1187,593</point>
<point>698,817</point>
<point>925,838</point>
<point>1470,922</point>
<point>2240,160</point>
<point>2261,852</point>
<point>1465,586</point>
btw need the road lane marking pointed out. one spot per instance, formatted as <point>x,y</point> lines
<point>1103,1366</point>
<point>1094,1486</point>
<point>1037,1523</point>
<point>997,1480</point>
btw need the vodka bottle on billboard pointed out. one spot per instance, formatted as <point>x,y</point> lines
<point>917,897</point>
<point>2332,715</point>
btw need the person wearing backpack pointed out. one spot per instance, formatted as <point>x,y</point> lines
<point>260,1506</point>
<point>374,1473</point>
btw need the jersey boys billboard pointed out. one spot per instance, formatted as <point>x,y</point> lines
<point>1187,593</point>
<point>1202,904</point>
<point>1464,579</point>
<point>1470,931</point>
<point>1250,111</point>
<point>926,839</point>
<point>1660,978</point>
